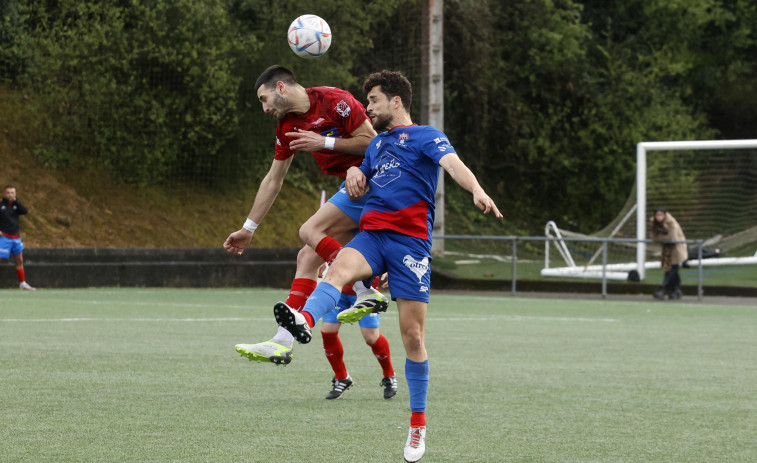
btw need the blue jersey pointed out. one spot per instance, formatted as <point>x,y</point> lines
<point>402,167</point>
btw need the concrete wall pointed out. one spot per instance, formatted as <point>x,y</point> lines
<point>265,268</point>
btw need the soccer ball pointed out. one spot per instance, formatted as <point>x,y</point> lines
<point>309,36</point>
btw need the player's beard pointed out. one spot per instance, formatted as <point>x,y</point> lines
<point>381,122</point>
<point>281,105</point>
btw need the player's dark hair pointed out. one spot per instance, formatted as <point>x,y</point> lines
<point>393,83</point>
<point>273,74</point>
<point>9,186</point>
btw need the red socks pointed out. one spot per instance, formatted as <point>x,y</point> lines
<point>334,353</point>
<point>327,248</point>
<point>301,290</point>
<point>418,419</point>
<point>21,276</point>
<point>334,350</point>
<point>308,318</point>
<point>381,350</point>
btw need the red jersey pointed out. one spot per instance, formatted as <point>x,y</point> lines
<point>333,113</point>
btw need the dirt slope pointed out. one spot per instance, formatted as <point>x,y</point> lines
<point>86,209</point>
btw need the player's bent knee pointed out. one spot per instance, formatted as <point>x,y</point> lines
<point>309,234</point>
<point>307,254</point>
<point>370,335</point>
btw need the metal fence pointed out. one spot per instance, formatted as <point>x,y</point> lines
<point>603,241</point>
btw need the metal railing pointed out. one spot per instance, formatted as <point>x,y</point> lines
<point>603,249</point>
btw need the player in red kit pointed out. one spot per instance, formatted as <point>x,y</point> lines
<point>332,125</point>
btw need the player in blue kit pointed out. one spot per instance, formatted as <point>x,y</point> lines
<point>398,178</point>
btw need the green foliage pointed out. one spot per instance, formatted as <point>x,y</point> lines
<point>11,60</point>
<point>144,88</point>
<point>558,103</point>
<point>545,99</point>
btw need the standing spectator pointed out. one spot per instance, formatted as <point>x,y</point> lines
<point>10,240</point>
<point>665,229</point>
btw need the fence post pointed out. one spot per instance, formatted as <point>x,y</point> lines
<point>514,264</point>
<point>604,269</point>
<point>700,291</point>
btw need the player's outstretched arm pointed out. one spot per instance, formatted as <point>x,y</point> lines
<point>465,178</point>
<point>304,140</point>
<point>268,190</point>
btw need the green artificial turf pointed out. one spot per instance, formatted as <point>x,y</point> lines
<point>151,375</point>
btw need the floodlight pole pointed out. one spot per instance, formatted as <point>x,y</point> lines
<point>432,95</point>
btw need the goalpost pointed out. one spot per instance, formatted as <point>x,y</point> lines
<point>641,187</point>
<point>710,186</point>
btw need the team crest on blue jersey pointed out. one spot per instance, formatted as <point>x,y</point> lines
<point>403,136</point>
<point>387,170</point>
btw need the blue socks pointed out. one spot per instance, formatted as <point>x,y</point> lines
<point>417,384</point>
<point>323,300</point>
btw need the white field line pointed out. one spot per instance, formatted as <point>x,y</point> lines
<point>95,319</point>
<point>459,317</point>
<point>517,318</point>
<point>144,304</point>
<point>511,318</point>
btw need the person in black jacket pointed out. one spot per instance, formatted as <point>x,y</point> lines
<point>10,239</point>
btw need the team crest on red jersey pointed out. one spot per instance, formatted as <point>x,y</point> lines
<point>343,108</point>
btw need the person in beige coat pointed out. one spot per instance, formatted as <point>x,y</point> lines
<point>665,228</point>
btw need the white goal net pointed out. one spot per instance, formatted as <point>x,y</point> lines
<point>710,187</point>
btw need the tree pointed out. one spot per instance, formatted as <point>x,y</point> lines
<point>144,89</point>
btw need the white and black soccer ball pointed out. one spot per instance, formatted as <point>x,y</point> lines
<point>309,36</point>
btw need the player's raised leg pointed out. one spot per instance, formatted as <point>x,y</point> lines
<point>320,247</point>
<point>278,350</point>
<point>349,266</point>
<point>373,302</point>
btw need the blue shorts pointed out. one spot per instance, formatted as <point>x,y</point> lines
<point>406,259</point>
<point>352,208</point>
<point>345,302</point>
<point>10,246</point>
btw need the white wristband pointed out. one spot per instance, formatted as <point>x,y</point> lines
<point>329,142</point>
<point>250,226</point>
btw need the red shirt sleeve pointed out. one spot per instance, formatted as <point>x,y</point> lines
<point>282,142</point>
